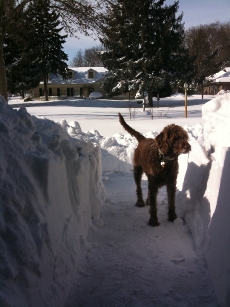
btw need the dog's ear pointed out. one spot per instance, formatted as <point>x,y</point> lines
<point>161,141</point>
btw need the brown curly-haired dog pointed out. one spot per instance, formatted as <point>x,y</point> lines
<point>158,159</point>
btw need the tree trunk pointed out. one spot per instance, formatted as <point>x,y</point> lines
<point>143,103</point>
<point>202,90</point>
<point>46,87</point>
<point>150,97</point>
<point>3,81</point>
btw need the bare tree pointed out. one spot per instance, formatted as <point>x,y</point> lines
<point>90,57</point>
<point>209,45</point>
<point>78,60</point>
<point>75,16</point>
<point>219,34</point>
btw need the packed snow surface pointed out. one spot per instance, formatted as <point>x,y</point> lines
<point>70,233</point>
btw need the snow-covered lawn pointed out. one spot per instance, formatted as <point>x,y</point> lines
<point>61,180</point>
<point>96,114</point>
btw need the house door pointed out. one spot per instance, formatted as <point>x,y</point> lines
<point>69,91</point>
<point>50,92</point>
<point>40,92</point>
<point>58,92</point>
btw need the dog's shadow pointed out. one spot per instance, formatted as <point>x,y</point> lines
<point>191,204</point>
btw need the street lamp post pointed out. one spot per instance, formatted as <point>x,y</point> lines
<point>185,99</point>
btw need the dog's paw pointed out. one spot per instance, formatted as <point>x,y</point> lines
<point>140,203</point>
<point>172,217</point>
<point>153,222</point>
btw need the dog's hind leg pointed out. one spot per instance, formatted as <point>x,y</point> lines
<point>137,173</point>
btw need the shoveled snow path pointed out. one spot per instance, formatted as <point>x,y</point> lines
<point>130,264</point>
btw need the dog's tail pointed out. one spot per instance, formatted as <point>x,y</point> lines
<point>130,130</point>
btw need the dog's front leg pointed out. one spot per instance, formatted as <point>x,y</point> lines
<point>171,190</point>
<point>152,201</point>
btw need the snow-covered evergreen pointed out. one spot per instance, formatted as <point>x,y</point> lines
<point>144,46</point>
<point>46,42</point>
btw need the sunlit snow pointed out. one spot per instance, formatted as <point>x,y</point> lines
<point>70,233</point>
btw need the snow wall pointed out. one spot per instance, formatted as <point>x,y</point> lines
<point>51,194</point>
<point>202,198</point>
<point>202,184</point>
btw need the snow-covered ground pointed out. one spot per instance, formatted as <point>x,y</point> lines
<point>52,194</point>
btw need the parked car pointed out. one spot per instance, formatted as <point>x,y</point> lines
<point>95,95</point>
<point>79,96</point>
<point>140,95</point>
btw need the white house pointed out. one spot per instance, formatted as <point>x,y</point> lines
<point>218,82</point>
<point>80,82</point>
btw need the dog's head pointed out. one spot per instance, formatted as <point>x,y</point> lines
<point>173,141</point>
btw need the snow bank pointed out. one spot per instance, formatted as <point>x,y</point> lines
<point>218,234</point>
<point>117,150</point>
<point>202,199</point>
<point>202,183</point>
<point>52,191</point>
<point>51,194</point>
<point>216,114</point>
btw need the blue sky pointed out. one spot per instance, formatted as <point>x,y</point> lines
<point>196,12</point>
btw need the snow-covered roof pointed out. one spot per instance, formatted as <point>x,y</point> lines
<point>223,79</point>
<point>221,76</point>
<point>80,76</point>
<point>86,69</point>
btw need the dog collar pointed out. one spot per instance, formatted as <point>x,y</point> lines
<point>162,159</point>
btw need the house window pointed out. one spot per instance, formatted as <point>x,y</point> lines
<point>69,91</point>
<point>63,91</point>
<point>50,92</point>
<point>76,92</point>
<point>58,92</point>
<point>90,74</point>
<point>70,74</point>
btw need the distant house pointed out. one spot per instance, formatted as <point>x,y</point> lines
<point>80,82</point>
<point>218,82</point>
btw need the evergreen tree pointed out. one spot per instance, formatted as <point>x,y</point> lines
<point>45,45</point>
<point>21,73</point>
<point>74,16</point>
<point>144,43</point>
<point>117,36</point>
<point>8,13</point>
